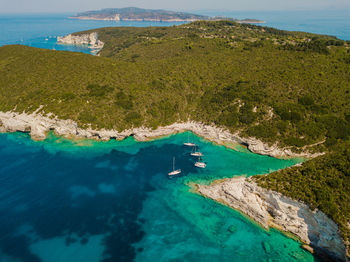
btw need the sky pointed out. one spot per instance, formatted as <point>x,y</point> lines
<point>57,6</point>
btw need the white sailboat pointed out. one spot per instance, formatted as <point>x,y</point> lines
<point>200,164</point>
<point>196,152</point>
<point>174,172</point>
<point>188,141</point>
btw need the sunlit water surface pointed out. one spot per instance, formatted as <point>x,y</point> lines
<point>87,201</point>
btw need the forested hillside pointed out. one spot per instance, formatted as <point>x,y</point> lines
<point>271,84</point>
<point>323,183</point>
<point>292,88</point>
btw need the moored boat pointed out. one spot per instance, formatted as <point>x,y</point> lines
<point>196,152</point>
<point>200,164</point>
<point>188,143</point>
<point>174,172</point>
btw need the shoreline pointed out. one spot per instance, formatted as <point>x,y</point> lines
<point>318,233</point>
<point>38,126</point>
<point>91,41</point>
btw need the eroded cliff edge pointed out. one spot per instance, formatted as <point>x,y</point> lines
<point>38,126</point>
<point>266,207</point>
<point>271,209</point>
<point>90,40</point>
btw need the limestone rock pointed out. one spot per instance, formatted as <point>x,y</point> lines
<point>91,40</point>
<point>266,207</point>
<point>270,208</point>
<point>38,125</point>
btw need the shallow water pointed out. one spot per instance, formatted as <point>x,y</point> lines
<point>41,30</point>
<point>83,200</point>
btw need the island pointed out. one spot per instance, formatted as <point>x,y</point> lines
<point>139,14</point>
<point>278,93</point>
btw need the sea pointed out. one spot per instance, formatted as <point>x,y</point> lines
<point>80,200</point>
<point>41,30</point>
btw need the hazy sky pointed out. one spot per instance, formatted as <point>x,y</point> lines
<point>21,6</point>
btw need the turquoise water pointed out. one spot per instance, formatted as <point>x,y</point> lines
<point>41,30</point>
<point>88,201</point>
<point>82,200</point>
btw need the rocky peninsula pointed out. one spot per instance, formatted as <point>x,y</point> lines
<point>38,126</point>
<point>271,209</point>
<point>90,40</point>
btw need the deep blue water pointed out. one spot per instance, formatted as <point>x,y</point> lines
<point>329,22</point>
<point>88,201</point>
<point>41,30</point>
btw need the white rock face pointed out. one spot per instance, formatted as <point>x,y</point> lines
<point>266,207</point>
<point>38,125</point>
<point>270,208</point>
<point>87,39</point>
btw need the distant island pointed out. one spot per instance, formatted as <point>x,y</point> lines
<point>139,14</point>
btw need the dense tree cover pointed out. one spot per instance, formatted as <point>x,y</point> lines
<point>323,183</point>
<point>243,77</point>
<point>290,88</point>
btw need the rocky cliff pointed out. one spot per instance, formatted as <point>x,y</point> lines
<point>271,209</point>
<point>91,40</point>
<point>38,126</point>
<point>266,207</point>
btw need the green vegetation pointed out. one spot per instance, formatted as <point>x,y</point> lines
<point>323,183</point>
<point>292,88</point>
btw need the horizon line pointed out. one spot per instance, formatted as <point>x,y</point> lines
<point>182,10</point>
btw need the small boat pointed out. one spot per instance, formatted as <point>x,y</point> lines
<point>188,141</point>
<point>196,152</point>
<point>200,164</point>
<point>174,172</point>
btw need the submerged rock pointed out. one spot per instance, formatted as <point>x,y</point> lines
<point>271,209</point>
<point>267,247</point>
<point>232,229</point>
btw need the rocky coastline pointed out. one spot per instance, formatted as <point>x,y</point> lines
<point>271,209</point>
<point>90,40</point>
<point>39,125</point>
<point>268,208</point>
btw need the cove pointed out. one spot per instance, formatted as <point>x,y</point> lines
<point>82,200</point>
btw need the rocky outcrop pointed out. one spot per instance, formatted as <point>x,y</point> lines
<point>90,40</point>
<point>38,125</point>
<point>271,209</point>
<point>265,207</point>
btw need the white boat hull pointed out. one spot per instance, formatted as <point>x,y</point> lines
<point>189,144</point>
<point>196,154</point>
<point>175,172</point>
<point>200,164</point>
